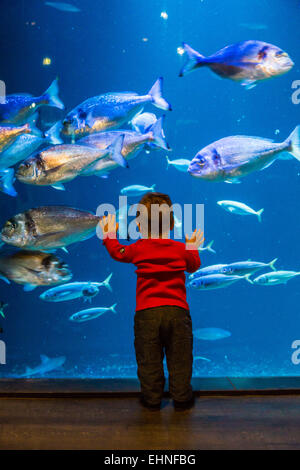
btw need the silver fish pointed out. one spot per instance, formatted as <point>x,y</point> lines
<point>47,365</point>
<point>142,122</point>
<point>18,109</point>
<point>233,157</point>
<point>180,164</point>
<point>62,163</point>
<point>91,313</point>
<point>63,7</point>
<point>211,334</point>
<point>49,228</point>
<point>24,146</point>
<point>104,112</point>
<point>246,62</point>
<point>32,269</point>
<point>274,278</point>
<point>239,268</point>
<point>208,247</point>
<point>213,281</point>
<point>136,190</point>
<point>235,207</point>
<point>133,144</point>
<point>75,290</point>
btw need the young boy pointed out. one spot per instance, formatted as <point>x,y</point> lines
<point>162,320</point>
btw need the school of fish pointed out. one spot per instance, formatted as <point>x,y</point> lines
<point>102,134</point>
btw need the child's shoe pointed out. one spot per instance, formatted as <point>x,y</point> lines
<point>184,405</point>
<point>149,406</point>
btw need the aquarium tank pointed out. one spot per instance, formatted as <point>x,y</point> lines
<point>219,81</point>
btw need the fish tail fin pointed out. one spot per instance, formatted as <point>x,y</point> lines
<point>153,187</point>
<point>209,247</point>
<point>247,277</point>
<point>115,150</point>
<point>159,138</point>
<point>53,134</point>
<point>113,308</point>
<point>107,284</point>
<point>51,95</point>
<point>168,162</point>
<point>157,97</point>
<point>294,140</point>
<point>7,179</point>
<point>272,264</point>
<point>258,213</point>
<point>194,61</point>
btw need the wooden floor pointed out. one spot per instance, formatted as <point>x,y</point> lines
<point>216,422</point>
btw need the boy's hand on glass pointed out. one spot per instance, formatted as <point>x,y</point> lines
<point>196,239</point>
<point>108,225</point>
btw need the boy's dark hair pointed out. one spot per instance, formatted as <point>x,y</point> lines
<point>165,215</point>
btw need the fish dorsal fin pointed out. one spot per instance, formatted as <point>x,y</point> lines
<point>44,358</point>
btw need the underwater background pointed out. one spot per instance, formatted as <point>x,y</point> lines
<point>118,45</point>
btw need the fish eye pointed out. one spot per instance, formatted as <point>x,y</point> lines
<point>201,161</point>
<point>11,225</point>
<point>46,262</point>
<point>281,54</point>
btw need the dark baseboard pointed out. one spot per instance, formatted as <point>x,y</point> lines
<point>214,386</point>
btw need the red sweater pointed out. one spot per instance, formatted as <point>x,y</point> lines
<point>160,269</point>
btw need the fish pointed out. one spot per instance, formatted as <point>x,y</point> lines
<point>143,122</point>
<point>201,358</point>
<point>239,268</point>
<point>18,109</point>
<point>133,144</point>
<point>75,290</point>
<point>213,269</point>
<point>254,26</point>
<point>213,281</point>
<point>180,164</point>
<point>32,269</point>
<point>231,158</point>
<point>23,146</point>
<point>91,313</point>
<point>207,247</point>
<point>246,62</point>
<point>63,7</point>
<point>59,164</point>
<point>106,112</point>
<point>48,228</point>
<point>240,208</point>
<point>7,179</point>
<point>2,307</point>
<point>9,134</point>
<point>47,365</point>
<point>136,190</point>
<point>211,334</point>
<point>274,278</point>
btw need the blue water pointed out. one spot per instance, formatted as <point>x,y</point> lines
<point>120,45</point>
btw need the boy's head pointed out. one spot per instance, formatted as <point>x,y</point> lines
<point>156,218</point>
